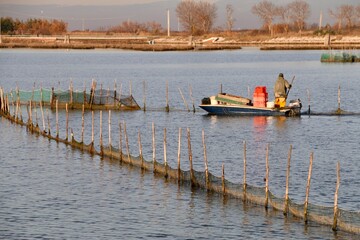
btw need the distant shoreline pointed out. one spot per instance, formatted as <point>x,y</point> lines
<point>145,43</point>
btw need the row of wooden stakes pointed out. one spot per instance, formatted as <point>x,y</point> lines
<point>165,169</point>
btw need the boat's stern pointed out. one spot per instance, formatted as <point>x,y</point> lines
<point>294,108</point>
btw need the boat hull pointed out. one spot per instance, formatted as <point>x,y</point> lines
<point>249,110</point>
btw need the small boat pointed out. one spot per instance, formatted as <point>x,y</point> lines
<point>228,104</point>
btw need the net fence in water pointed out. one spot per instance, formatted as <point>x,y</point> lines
<point>340,57</point>
<point>24,97</point>
<point>346,220</point>
<point>106,99</point>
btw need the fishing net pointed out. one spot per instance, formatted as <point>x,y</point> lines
<point>100,99</point>
<point>347,220</point>
<point>24,97</point>
<point>339,57</point>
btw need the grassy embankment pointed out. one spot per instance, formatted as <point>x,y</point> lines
<point>178,42</point>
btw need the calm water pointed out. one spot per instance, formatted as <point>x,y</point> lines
<point>49,190</point>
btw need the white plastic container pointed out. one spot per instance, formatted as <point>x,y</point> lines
<point>270,104</point>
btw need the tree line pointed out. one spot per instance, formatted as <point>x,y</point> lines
<point>293,16</point>
<point>199,16</point>
<point>33,26</point>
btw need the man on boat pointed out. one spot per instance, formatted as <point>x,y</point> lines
<point>281,88</point>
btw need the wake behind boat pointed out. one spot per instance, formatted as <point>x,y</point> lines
<point>228,104</point>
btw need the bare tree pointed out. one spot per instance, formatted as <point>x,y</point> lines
<point>357,11</point>
<point>205,16</point>
<point>338,15</point>
<point>196,16</point>
<point>267,12</point>
<point>347,13</point>
<point>185,11</point>
<point>154,27</point>
<point>284,13</point>
<point>229,17</point>
<point>300,11</point>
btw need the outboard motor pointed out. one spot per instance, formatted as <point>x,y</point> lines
<point>295,108</point>
<point>295,103</point>
<point>206,101</point>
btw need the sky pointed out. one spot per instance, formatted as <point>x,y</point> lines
<point>77,2</point>
<point>96,14</point>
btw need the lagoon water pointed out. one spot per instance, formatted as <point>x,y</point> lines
<point>50,191</point>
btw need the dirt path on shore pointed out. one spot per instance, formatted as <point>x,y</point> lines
<point>151,43</point>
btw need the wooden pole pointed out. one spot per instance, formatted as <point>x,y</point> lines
<point>18,115</point>
<point>101,140</point>
<point>82,123</point>
<point>92,96</point>
<point>84,100</point>
<point>16,110</point>
<point>115,92</point>
<point>71,92</point>
<point>336,210</point>
<point>30,113</point>
<point>120,143</point>
<point>339,100</point>
<point>179,152</point>
<point>19,104</point>
<point>140,150</point>
<point>223,179</point>
<point>92,127</point>
<point>168,23</point>
<point>244,177</point>
<point>154,146</point>
<point>190,158</point>
<point>1,100</point>
<point>308,188</point>
<point>35,110</point>
<point>13,106</point>
<point>8,104</point>
<point>182,96</point>
<point>192,99</point>
<point>144,93</point>
<point>101,92</point>
<point>67,121</point>
<point>165,154</point>
<point>130,87</point>
<point>110,144</point>
<point>167,97</point>
<point>21,118</point>
<point>42,116</point>
<point>267,178</point>
<point>309,110</point>
<point>57,118</point>
<point>48,118</point>
<point>205,161</point>
<point>127,144</point>
<point>286,207</point>
<point>107,96</point>
<point>72,135</point>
